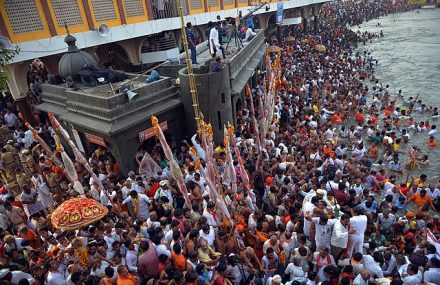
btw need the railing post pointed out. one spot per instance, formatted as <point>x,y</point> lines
<point>121,12</point>
<point>88,14</point>
<point>49,19</point>
<point>3,30</point>
<point>188,7</point>
<point>150,10</point>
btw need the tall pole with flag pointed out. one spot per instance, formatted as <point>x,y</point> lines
<point>192,81</point>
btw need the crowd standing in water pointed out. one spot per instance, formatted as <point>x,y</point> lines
<point>328,202</point>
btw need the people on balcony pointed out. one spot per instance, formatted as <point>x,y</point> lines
<point>192,42</point>
<point>214,41</point>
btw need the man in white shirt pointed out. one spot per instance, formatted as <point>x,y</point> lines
<point>358,222</point>
<point>174,227</point>
<point>140,204</point>
<point>139,187</point>
<point>13,277</point>
<point>131,256</point>
<point>126,189</point>
<point>372,265</point>
<point>415,275</point>
<point>432,192</point>
<point>358,187</point>
<point>190,175</point>
<point>160,247</point>
<point>331,184</point>
<point>339,239</point>
<point>207,233</point>
<point>322,258</point>
<point>210,215</point>
<point>55,277</point>
<point>433,274</point>
<point>308,208</point>
<point>340,150</point>
<point>323,230</point>
<point>10,118</point>
<point>355,262</point>
<point>250,34</point>
<point>214,41</point>
<point>364,278</point>
<point>164,190</point>
<point>296,273</point>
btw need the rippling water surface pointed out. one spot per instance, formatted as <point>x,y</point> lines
<point>409,59</point>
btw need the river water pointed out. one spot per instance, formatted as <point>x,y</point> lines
<point>409,59</point>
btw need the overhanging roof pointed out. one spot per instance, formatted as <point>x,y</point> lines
<point>291,21</point>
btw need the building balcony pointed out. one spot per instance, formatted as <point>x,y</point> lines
<point>38,27</point>
<point>222,93</point>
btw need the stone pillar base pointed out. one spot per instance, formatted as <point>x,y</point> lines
<point>316,23</point>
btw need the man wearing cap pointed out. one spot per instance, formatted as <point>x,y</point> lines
<point>267,185</point>
<point>140,205</point>
<point>164,190</point>
<point>9,146</point>
<point>9,162</point>
<point>23,154</point>
<point>53,181</point>
<point>22,178</point>
<point>29,161</point>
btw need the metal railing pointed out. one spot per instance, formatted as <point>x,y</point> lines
<point>243,56</point>
<point>163,9</point>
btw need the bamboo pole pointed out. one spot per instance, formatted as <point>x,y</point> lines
<point>192,81</point>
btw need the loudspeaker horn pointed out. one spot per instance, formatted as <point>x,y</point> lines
<point>5,43</point>
<point>103,30</point>
<point>131,95</point>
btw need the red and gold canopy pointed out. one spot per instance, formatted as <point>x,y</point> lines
<point>76,213</point>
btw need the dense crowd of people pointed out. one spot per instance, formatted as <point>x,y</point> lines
<point>330,199</point>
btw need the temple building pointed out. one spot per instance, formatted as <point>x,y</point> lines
<point>123,63</point>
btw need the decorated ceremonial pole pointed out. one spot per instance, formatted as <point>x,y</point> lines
<point>79,157</point>
<point>229,176</point>
<point>254,119</point>
<point>45,146</point>
<point>69,167</point>
<point>206,135</point>
<point>176,173</point>
<point>213,193</point>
